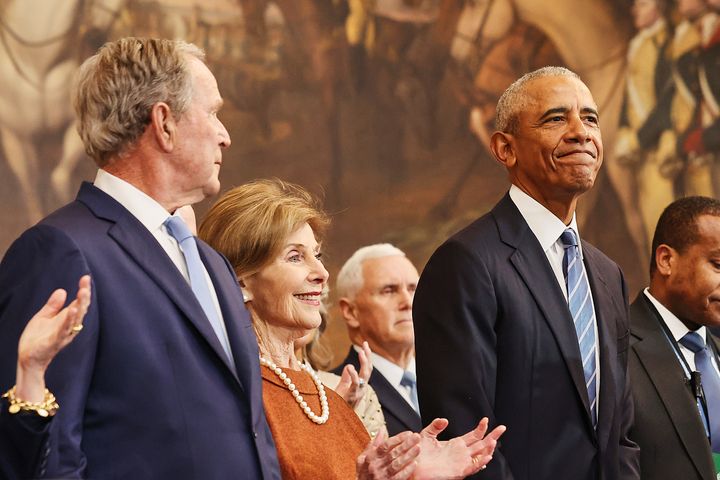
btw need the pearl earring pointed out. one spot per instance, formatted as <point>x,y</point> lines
<point>246,295</point>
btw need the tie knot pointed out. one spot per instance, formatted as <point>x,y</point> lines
<point>177,229</point>
<point>568,238</point>
<point>408,379</point>
<point>693,341</point>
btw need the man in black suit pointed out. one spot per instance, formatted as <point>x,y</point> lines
<point>500,331</point>
<point>682,300</point>
<point>375,288</point>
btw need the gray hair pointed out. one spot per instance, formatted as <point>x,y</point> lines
<point>350,279</point>
<point>514,99</point>
<point>116,88</point>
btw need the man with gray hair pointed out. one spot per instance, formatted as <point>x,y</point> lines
<point>375,290</point>
<point>164,379</point>
<point>517,319</point>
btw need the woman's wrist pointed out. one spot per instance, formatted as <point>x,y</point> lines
<point>30,383</point>
<point>45,408</point>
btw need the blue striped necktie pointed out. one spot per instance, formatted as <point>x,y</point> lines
<point>583,314</point>
<point>409,381</point>
<point>198,282</point>
<point>710,383</point>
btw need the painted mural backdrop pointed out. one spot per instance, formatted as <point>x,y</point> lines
<point>384,107</point>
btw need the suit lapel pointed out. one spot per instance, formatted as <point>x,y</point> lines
<point>394,402</point>
<point>605,312</point>
<point>532,265</point>
<point>241,335</point>
<point>144,250</point>
<point>662,367</point>
<point>390,399</point>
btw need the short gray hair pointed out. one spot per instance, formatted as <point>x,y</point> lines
<point>514,99</point>
<point>350,279</point>
<point>117,87</point>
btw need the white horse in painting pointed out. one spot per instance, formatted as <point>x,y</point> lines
<point>40,46</point>
<point>587,38</point>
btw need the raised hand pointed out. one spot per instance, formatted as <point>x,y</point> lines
<point>48,332</point>
<point>352,384</point>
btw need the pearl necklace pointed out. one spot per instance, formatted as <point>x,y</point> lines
<point>298,398</point>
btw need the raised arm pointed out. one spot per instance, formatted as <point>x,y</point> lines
<point>48,332</point>
<point>28,407</point>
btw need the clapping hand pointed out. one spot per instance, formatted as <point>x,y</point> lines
<point>352,384</point>
<point>458,457</point>
<point>391,459</point>
<point>48,332</point>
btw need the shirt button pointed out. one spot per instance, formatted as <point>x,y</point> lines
<point>255,434</point>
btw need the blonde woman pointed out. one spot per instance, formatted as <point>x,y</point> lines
<point>270,231</point>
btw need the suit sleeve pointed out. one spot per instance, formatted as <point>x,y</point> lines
<point>40,261</point>
<point>22,437</point>
<point>454,315</point>
<point>629,451</point>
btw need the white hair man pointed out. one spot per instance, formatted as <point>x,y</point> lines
<point>375,291</point>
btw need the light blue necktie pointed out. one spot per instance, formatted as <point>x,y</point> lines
<point>409,381</point>
<point>583,314</point>
<point>710,383</point>
<point>179,231</point>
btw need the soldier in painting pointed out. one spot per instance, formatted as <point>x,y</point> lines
<point>645,112</point>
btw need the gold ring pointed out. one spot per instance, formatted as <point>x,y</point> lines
<point>76,328</point>
<point>475,460</point>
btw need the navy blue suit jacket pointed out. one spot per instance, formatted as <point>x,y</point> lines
<point>145,390</point>
<point>494,337</point>
<point>22,440</point>
<point>399,415</point>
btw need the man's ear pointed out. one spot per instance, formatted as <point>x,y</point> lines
<point>163,126</point>
<point>665,258</point>
<point>503,149</point>
<point>349,313</point>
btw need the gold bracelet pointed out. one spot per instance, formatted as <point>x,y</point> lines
<point>46,408</point>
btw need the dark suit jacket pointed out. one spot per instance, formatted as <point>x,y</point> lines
<point>667,427</point>
<point>22,442</point>
<point>399,415</point>
<point>494,337</point>
<point>145,391</point>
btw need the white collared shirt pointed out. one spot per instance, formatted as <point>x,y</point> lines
<point>152,215</point>
<point>678,330</point>
<point>393,373</point>
<point>547,228</point>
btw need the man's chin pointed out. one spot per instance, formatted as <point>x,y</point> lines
<point>211,189</point>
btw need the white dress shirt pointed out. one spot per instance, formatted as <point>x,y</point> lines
<point>547,228</point>
<point>393,373</point>
<point>678,330</point>
<point>152,215</point>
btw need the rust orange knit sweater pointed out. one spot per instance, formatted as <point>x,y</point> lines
<point>305,449</point>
